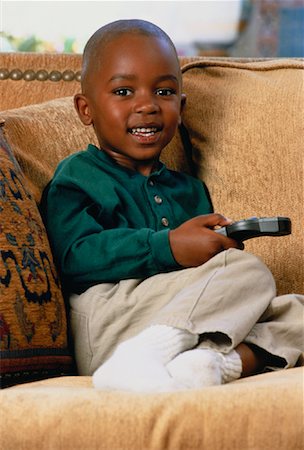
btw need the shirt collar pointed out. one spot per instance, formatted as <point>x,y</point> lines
<point>105,158</point>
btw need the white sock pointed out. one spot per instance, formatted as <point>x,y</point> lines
<point>198,368</point>
<point>139,364</point>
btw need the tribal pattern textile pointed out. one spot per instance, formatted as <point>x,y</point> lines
<point>33,325</point>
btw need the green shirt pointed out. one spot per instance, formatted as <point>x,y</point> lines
<point>107,223</point>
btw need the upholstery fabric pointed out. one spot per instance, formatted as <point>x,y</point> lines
<point>33,326</point>
<point>43,134</point>
<point>20,77</point>
<point>260,412</point>
<point>245,122</point>
<point>38,77</point>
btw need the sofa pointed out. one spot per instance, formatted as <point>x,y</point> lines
<point>242,132</point>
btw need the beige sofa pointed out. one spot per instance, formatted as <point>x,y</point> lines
<point>243,134</point>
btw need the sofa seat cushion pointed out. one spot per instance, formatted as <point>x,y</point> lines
<point>260,412</point>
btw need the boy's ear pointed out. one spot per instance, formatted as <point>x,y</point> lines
<point>82,108</point>
<point>183,102</point>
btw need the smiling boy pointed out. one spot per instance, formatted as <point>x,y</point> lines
<point>143,124</point>
<point>159,301</point>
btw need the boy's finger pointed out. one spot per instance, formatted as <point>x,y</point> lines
<point>213,220</point>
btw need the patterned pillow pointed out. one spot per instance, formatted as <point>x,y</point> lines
<point>33,325</point>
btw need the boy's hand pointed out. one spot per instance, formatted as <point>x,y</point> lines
<point>195,242</point>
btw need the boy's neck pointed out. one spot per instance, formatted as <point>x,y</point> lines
<point>145,168</point>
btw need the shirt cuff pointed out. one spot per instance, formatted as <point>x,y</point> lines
<point>161,251</point>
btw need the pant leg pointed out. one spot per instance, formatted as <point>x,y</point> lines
<point>280,330</point>
<point>233,291</point>
<point>220,300</point>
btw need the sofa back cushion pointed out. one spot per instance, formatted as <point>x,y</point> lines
<point>28,78</point>
<point>43,134</point>
<point>33,324</point>
<point>245,122</point>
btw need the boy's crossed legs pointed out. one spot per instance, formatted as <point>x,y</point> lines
<point>219,305</point>
<point>156,360</point>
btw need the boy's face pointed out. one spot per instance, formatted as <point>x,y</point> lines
<point>133,99</point>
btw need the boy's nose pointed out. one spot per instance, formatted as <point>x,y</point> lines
<point>146,104</point>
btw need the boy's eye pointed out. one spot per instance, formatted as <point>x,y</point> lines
<point>123,92</point>
<point>165,92</point>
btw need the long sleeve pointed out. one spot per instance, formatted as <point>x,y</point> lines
<point>88,253</point>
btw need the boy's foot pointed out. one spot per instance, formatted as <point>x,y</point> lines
<point>139,364</point>
<point>198,368</point>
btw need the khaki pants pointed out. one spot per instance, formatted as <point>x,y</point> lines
<point>228,300</point>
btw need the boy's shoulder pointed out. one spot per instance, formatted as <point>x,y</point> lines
<point>80,163</point>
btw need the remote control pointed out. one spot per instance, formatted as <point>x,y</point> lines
<point>256,227</point>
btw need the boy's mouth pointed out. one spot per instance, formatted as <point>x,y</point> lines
<point>144,131</point>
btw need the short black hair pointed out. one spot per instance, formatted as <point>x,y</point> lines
<point>111,31</point>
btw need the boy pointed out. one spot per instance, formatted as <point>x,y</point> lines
<point>159,301</point>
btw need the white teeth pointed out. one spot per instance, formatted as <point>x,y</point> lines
<point>144,131</point>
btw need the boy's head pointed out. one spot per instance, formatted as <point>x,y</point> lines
<point>131,91</point>
<point>92,55</point>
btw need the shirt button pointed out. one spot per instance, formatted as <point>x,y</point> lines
<point>151,183</point>
<point>158,199</point>
<point>165,221</point>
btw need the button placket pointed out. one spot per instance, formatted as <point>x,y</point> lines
<point>160,209</point>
